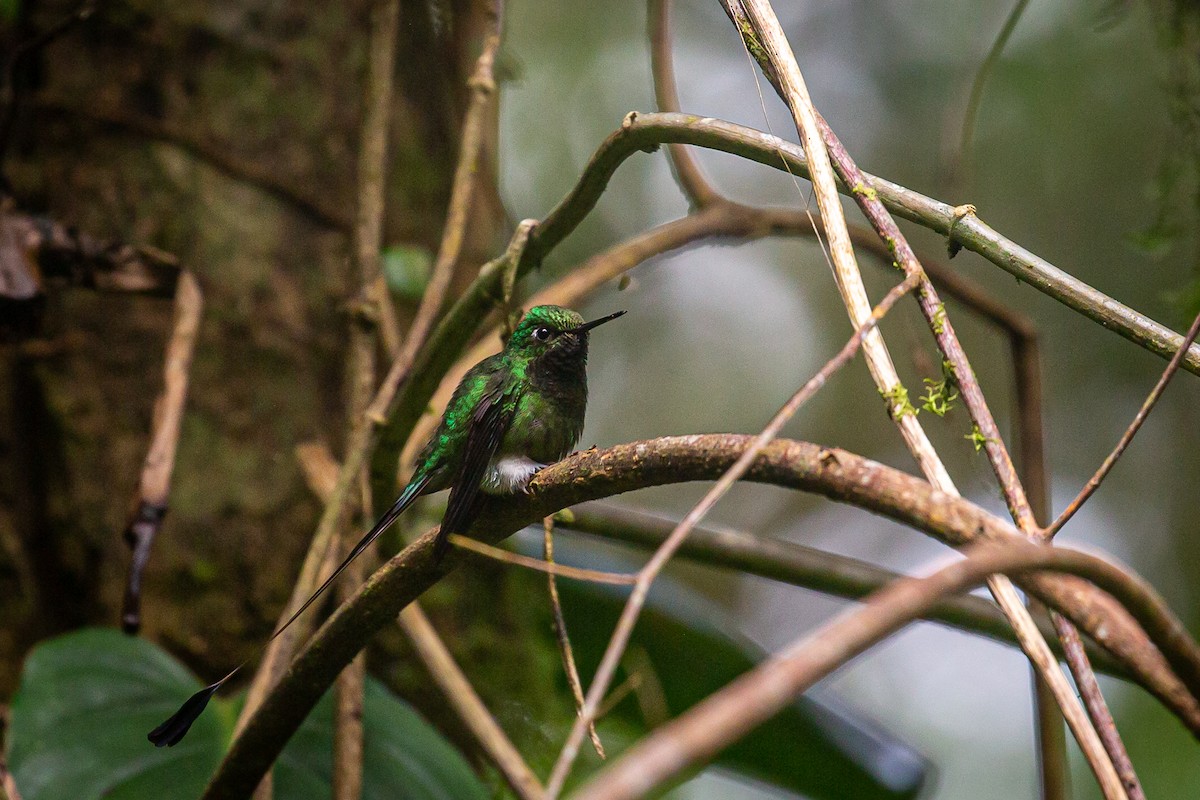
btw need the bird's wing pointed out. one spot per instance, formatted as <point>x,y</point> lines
<point>489,422</point>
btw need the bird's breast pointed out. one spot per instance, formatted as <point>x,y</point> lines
<point>545,427</point>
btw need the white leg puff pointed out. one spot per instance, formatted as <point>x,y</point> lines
<point>509,475</point>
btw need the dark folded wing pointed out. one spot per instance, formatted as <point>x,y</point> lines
<point>488,425</point>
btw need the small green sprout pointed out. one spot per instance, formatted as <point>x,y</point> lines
<point>898,402</point>
<point>977,438</point>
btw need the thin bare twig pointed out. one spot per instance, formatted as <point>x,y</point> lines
<point>727,715</point>
<point>633,606</point>
<point>348,740</point>
<point>461,696</point>
<point>560,633</point>
<point>473,546</point>
<point>483,91</point>
<point>155,483</point>
<point>1054,770</point>
<point>1151,400</point>
<point>981,76</point>
<point>1097,708</point>
<point>367,240</point>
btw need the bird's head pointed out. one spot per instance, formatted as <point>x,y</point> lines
<point>555,330</point>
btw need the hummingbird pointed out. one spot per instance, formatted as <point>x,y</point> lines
<point>511,414</point>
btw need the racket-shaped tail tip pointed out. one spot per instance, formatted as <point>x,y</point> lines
<point>176,726</point>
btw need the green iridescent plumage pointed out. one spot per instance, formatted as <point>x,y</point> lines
<point>511,414</point>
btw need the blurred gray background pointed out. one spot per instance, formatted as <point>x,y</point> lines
<point>1069,159</point>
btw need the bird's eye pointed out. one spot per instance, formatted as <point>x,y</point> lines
<point>541,334</point>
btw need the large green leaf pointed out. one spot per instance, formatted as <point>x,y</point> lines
<point>79,721</point>
<point>817,746</point>
<point>86,700</point>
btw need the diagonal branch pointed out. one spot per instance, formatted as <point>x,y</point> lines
<point>560,633</point>
<point>1151,400</point>
<point>461,695</point>
<point>750,700</point>
<point>154,486</point>
<point>802,566</point>
<point>766,41</point>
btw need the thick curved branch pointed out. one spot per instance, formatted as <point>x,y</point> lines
<point>726,716</point>
<point>593,474</point>
<point>691,180</point>
<point>646,131</point>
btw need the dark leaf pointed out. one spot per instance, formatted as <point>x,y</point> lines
<point>818,746</point>
<point>79,721</point>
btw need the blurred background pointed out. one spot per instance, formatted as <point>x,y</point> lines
<point>1085,152</point>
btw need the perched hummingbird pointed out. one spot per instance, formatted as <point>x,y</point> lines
<point>511,415</point>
